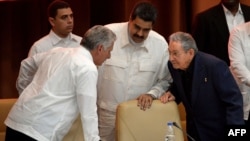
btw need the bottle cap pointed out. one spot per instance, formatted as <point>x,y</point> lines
<point>170,123</point>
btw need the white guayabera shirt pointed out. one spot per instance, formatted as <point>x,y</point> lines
<point>54,87</point>
<point>133,70</point>
<point>52,40</point>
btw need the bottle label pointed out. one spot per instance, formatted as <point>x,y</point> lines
<point>169,138</point>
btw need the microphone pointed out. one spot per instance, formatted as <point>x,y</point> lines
<point>176,125</point>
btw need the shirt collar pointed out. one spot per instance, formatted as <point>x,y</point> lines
<point>190,68</point>
<point>86,53</point>
<point>127,42</point>
<point>56,39</point>
<point>227,11</point>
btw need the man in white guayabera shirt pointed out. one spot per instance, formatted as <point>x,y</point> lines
<point>57,85</point>
<point>137,68</point>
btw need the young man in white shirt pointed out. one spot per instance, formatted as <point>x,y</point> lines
<point>61,19</point>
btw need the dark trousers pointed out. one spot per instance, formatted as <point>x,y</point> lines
<point>247,122</point>
<point>13,135</point>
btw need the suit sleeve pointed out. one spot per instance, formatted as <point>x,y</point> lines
<point>173,89</point>
<point>229,93</point>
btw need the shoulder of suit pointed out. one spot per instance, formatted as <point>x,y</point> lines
<point>244,5</point>
<point>245,9</point>
<point>207,58</point>
<point>211,10</point>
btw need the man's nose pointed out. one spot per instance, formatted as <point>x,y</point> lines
<point>140,32</point>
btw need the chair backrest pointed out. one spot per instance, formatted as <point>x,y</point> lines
<point>183,119</point>
<point>133,124</point>
<point>5,106</point>
<point>76,132</point>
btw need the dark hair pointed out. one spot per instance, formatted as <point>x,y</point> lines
<point>98,35</point>
<point>54,6</point>
<point>144,10</point>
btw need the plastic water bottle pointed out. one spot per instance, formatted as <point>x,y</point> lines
<point>170,136</point>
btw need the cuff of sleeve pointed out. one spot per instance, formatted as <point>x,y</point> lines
<point>154,93</point>
<point>153,96</point>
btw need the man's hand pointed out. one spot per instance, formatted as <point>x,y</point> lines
<point>166,97</point>
<point>145,101</point>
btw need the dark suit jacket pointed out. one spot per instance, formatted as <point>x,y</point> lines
<point>211,32</point>
<point>216,98</point>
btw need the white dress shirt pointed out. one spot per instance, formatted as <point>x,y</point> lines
<point>52,40</point>
<point>63,85</point>
<point>233,20</point>
<point>239,55</point>
<point>133,70</point>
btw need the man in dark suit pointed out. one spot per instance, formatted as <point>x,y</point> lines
<point>212,27</point>
<point>205,86</point>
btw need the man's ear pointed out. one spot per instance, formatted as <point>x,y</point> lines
<point>191,51</point>
<point>51,21</point>
<point>99,48</point>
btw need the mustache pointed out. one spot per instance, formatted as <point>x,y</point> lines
<point>138,36</point>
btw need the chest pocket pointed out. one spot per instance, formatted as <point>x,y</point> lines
<point>147,67</point>
<point>147,73</point>
<point>115,69</point>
